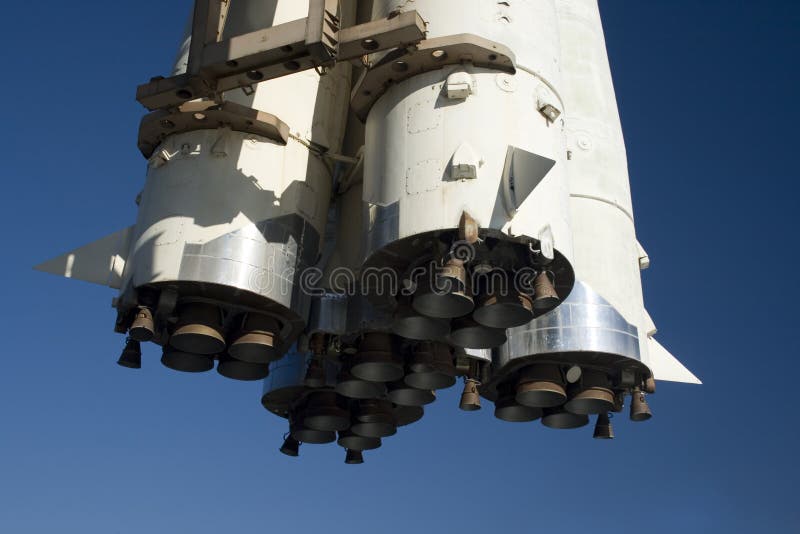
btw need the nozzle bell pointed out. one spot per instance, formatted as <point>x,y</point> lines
<point>256,342</point>
<point>602,428</point>
<point>349,440</point>
<point>350,386</point>
<point>353,457</point>
<point>561,419</point>
<point>640,411</point>
<point>508,409</point>
<point>467,332</point>
<point>315,374</point>
<point>326,411</point>
<point>142,328</point>
<point>431,367</point>
<point>410,324</point>
<point>446,295</point>
<point>303,434</point>
<point>199,330</point>
<point>541,386</point>
<point>186,362</point>
<point>545,297</point>
<point>290,447</point>
<point>504,310</point>
<point>375,360</point>
<point>131,356</point>
<point>470,399</point>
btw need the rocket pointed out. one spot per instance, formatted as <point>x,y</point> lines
<point>362,202</point>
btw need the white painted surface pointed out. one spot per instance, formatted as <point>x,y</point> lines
<point>99,262</point>
<point>607,255</point>
<point>216,182</point>
<point>415,132</point>
<point>665,366</point>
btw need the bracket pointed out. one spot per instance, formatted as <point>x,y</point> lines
<point>428,55</point>
<point>203,115</point>
<point>315,41</point>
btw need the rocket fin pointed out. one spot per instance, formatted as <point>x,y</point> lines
<point>665,366</point>
<point>523,171</point>
<point>100,262</point>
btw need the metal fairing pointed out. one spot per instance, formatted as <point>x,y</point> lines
<point>584,329</point>
<point>328,314</point>
<point>285,384</point>
<point>585,322</point>
<point>345,315</point>
<point>285,381</point>
<point>262,258</point>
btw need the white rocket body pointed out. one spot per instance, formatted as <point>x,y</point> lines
<point>608,257</point>
<point>605,313</point>
<point>436,144</point>
<point>498,131</point>
<point>232,217</point>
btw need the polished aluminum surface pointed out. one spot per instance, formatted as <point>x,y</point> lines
<point>328,314</point>
<point>363,316</point>
<point>289,371</point>
<point>584,322</point>
<point>264,258</point>
<point>285,383</point>
<point>384,227</point>
<point>343,314</point>
<point>483,355</point>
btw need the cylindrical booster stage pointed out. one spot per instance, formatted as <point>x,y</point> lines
<point>466,127</point>
<point>230,218</point>
<point>602,327</point>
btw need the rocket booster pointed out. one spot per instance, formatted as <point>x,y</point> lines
<point>361,202</point>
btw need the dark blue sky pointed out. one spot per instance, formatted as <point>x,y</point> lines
<point>708,92</point>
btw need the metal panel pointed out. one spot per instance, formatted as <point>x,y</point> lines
<point>431,54</point>
<point>400,31</point>
<point>268,53</point>
<point>155,127</point>
<point>321,29</point>
<point>585,322</point>
<point>205,30</point>
<point>263,258</point>
<point>285,383</point>
<point>328,314</point>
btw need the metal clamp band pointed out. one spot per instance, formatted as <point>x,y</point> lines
<point>268,53</point>
<point>428,55</point>
<point>204,115</point>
